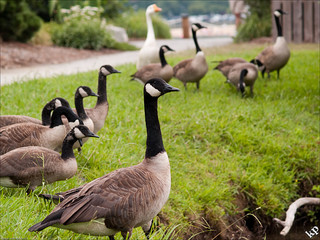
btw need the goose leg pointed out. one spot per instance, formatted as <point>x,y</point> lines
<point>147,228</point>
<point>251,90</point>
<point>198,85</point>
<point>127,235</point>
<point>111,237</point>
<point>262,72</point>
<point>278,73</point>
<point>268,75</point>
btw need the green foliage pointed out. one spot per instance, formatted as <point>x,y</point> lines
<point>17,22</point>
<point>258,23</point>
<point>47,10</point>
<point>219,144</point>
<point>136,26</point>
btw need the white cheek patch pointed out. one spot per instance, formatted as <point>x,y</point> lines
<point>83,93</point>
<point>57,103</point>
<point>105,71</point>
<point>277,13</point>
<point>78,133</point>
<point>152,91</point>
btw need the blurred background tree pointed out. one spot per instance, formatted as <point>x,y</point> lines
<point>258,22</point>
<point>17,21</point>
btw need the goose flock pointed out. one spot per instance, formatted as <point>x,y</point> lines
<point>36,152</point>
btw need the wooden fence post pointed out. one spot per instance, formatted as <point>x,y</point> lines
<point>185,26</point>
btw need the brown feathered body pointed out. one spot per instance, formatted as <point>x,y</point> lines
<point>225,66</point>
<point>32,166</point>
<point>7,120</point>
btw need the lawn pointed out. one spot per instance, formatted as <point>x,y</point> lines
<point>229,155</point>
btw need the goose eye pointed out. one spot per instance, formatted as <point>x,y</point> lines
<point>78,133</point>
<point>105,71</point>
<point>83,93</point>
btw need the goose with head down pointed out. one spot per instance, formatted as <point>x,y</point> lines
<point>6,120</point>
<point>125,198</point>
<point>31,134</point>
<point>33,165</point>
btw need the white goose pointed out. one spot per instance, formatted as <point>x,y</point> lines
<point>149,51</point>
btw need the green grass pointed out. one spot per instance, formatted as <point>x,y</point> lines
<point>222,148</point>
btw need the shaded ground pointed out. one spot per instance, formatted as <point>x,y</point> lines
<point>17,55</point>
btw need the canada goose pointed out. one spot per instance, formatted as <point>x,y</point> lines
<point>155,70</point>
<point>125,198</point>
<point>242,75</point>
<point>225,66</point>
<point>99,113</point>
<point>194,69</point>
<point>149,51</point>
<point>6,120</point>
<point>31,166</point>
<point>31,134</point>
<point>275,57</point>
<point>82,92</point>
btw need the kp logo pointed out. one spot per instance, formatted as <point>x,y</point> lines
<point>314,231</point>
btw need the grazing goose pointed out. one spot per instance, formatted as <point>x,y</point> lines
<point>155,70</point>
<point>31,134</point>
<point>33,165</point>
<point>125,198</point>
<point>194,69</point>
<point>275,57</point>
<point>82,92</point>
<point>225,66</point>
<point>6,120</point>
<point>242,75</point>
<point>149,51</point>
<point>99,113</point>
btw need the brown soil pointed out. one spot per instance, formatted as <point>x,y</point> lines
<point>17,55</point>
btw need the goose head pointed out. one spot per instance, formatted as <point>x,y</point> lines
<point>279,12</point>
<point>157,87</point>
<point>152,9</point>
<point>85,91</point>
<point>166,48</point>
<point>196,26</point>
<point>107,70</point>
<point>55,103</point>
<point>79,132</point>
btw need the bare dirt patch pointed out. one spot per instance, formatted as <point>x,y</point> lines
<point>17,55</point>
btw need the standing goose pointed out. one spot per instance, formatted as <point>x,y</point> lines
<point>33,165</point>
<point>155,70</point>
<point>194,69</point>
<point>242,75</point>
<point>275,57</point>
<point>125,198</point>
<point>6,120</point>
<point>31,134</point>
<point>149,51</point>
<point>99,113</point>
<point>82,92</point>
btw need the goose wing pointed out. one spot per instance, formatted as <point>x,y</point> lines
<point>7,120</point>
<point>19,135</point>
<point>266,55</point>
<point>179,68</point>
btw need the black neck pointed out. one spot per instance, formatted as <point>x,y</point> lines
<point>78,101</point>
<point>102,89</point>
<point>194,35</point>
<point>154,137</point>
<point>279,28</point>
<point>46,116</point>
<point>56,116</point>
<point>67,150</point>
<point>162,58</point>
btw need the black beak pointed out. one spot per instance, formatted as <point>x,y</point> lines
<point>115,71</point>
<point>94,94</point>
<point>169,88</point>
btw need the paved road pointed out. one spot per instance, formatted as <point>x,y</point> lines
<point>23,74</point>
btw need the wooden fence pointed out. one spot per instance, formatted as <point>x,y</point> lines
<point>302,22</point>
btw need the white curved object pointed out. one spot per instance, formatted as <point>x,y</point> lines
<point>149,51</point>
